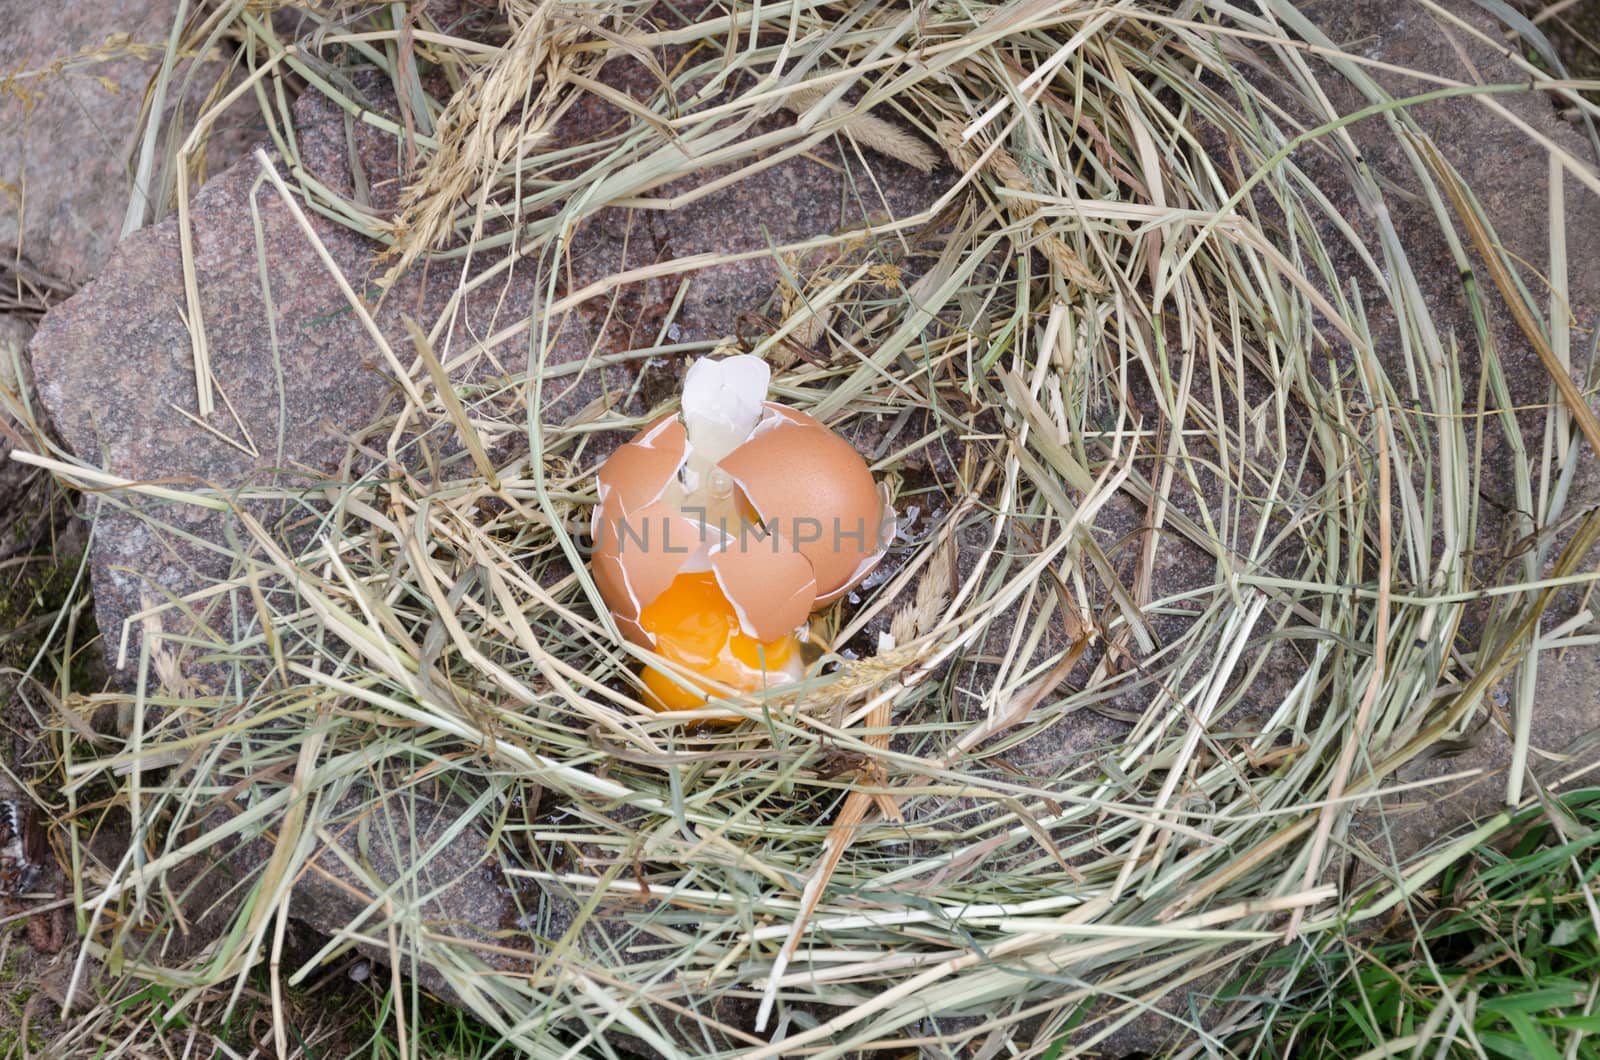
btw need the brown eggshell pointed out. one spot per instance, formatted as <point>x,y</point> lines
<point>886,531</point>
<point>633,632</point>
<point>810,483</point>
<point>639,471</point>
<point>637,554</point>
<point>770,584</point>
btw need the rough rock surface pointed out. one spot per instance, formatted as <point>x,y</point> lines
<point>72,79</point>
<point>114,370</point>
<point>1508,173</point>
<point>114,363</point>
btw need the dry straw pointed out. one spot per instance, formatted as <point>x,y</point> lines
<point>1125,324</point>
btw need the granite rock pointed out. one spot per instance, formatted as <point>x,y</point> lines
<point>115,373</point>
<point>72,81</point>
<point>114,366</point>
<point>1508,172</point>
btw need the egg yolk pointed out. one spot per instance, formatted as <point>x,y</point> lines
<point>695,626</point>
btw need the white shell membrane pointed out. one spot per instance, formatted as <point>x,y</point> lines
<point>722,403</point>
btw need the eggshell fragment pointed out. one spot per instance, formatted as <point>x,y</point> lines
<point>887,521</point>
<point>672,500</point>
<point>637,554</point>
<point>770,584</point>
<point>815,489</point>
<point>640,470</point>
<point>630,481</point>
<point>723,402</point>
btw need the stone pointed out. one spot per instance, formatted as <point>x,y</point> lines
<point>113,364</point>
<point>72,81</point>
<point>1508,173</point>
<point>114,370</point>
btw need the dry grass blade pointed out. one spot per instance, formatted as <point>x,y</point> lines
<point>452,403</point>
<point>1181,576</point>
<point>871,132</point>
<point>1360,730</point>
<point>1488,249</point>
<point>499,117</point>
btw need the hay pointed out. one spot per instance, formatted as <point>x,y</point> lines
<point>1137,345</point>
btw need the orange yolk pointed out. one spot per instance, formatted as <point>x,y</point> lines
<point>695,626</point>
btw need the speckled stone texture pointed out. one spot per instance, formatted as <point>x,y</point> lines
<point>1508,172</point>
<point>114,366</point>
<point>113,362</point>
<point>72,81</point>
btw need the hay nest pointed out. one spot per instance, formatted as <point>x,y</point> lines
<point>1192,554</point>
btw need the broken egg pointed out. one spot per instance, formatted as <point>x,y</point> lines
<point>721,529</point>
